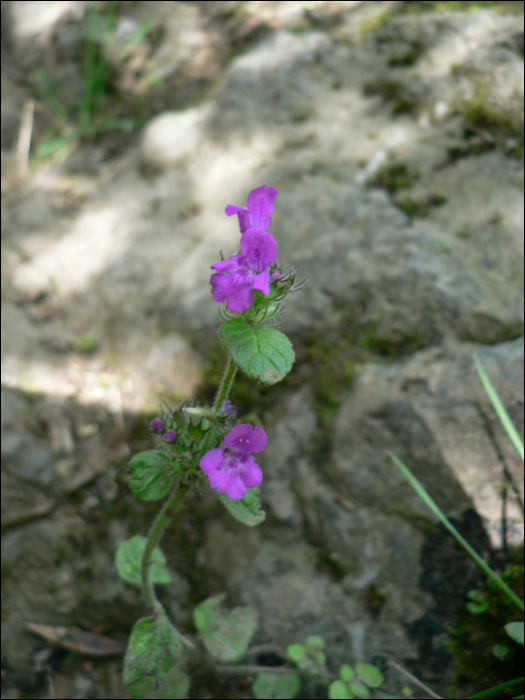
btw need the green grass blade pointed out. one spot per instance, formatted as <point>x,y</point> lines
<point>424,496</point>
<point>496,689</point>
<point>499,407</point>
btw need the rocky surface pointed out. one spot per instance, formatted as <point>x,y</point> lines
<point>395,140</point>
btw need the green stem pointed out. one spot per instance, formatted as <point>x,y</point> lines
<point>225,386</point>
<point>155,534</point>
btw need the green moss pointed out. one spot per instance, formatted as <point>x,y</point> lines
<point>501,124</point>
<point>393,177</point>
<point>409,58</point>
<point>413,208</point>
<point>85,344</point>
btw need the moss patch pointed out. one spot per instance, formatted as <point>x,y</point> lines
<point>394,92</point>
<point>392,177</point>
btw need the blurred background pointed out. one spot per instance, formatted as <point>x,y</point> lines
<point>393,132</point>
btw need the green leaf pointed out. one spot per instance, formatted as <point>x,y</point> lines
<point>246,510</point>
<point>371,675</point>
<point>515,631</point>
<point>175,684</point>
<point>269,686</point>
<point>296,653</point>
<point>359,689</point>
<point>346,672</point>
<point>225,633</point>
<point>500,651</point>
<point>210,440</point>
<point>314,644</point>
<point>339,691</point>
<point>128,561</point>
<point>153,649</point>
<point>306,659</point>
<point>477,608</point>
<point>151,477</point>
<point>261,352</point>
<point>499,407</point>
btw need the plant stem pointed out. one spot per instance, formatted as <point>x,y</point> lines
<point>225,385</point>
<point>157,530</point>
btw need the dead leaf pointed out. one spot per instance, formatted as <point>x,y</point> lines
<point>78,640</point>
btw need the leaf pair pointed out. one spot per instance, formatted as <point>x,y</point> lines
<point>247,510</point>
<point>355,684</point>
<point>309,656</point>
<point>261,352</point>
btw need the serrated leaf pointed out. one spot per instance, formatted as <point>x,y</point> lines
<point>174,685</point>
<point>270,686</point>
<point>153,649</point>
<point>359,689</point>
<point>371,675</point>
<point>128,561</point>
<point>339,691</point>
<point>296,653</point>
<point>515,631</point>
<point>346,672</point>
<point>261,352</point>
<point>225,633</point>
<point>247,510</point>
<point>151,477</point>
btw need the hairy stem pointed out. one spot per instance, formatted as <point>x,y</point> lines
<point>225,385</point>
<point>157,530</point>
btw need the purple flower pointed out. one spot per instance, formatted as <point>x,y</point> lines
<point>231,467</point>
<point>260,204</point>
<point>237,277</point>
<point>156,425</point>
<point>229,408</point>
<point>170,436</point>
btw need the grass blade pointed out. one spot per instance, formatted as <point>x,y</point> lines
<point>496,689</point>
<point>425,497</point>
<point>499,407</point>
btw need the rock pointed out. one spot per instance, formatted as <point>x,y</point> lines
<point>432,412</point>
<point>171,137</point>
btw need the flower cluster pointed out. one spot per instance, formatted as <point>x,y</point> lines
<point>236,279</point>
<point>231,468</point>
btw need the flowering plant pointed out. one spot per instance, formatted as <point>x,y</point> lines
<point>199,442</point>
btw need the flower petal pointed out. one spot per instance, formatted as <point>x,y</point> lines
<point>220,480</point>
<point>236,489</point>
<point>244,217</point>
<point>268,250</point>
<point>262,282</point>
<point>240,298</point>
<point>261,203</point>
<point>239,436</point>
<point>251,474</point>
<point>258,440</point>
<point>212,460</point>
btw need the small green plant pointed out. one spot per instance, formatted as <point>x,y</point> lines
<point>309,656</point>
<point>85,344</point>
<point>355,683</point>
<point>83,118</point>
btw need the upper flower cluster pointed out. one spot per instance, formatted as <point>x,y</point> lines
<point>236,279</point>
